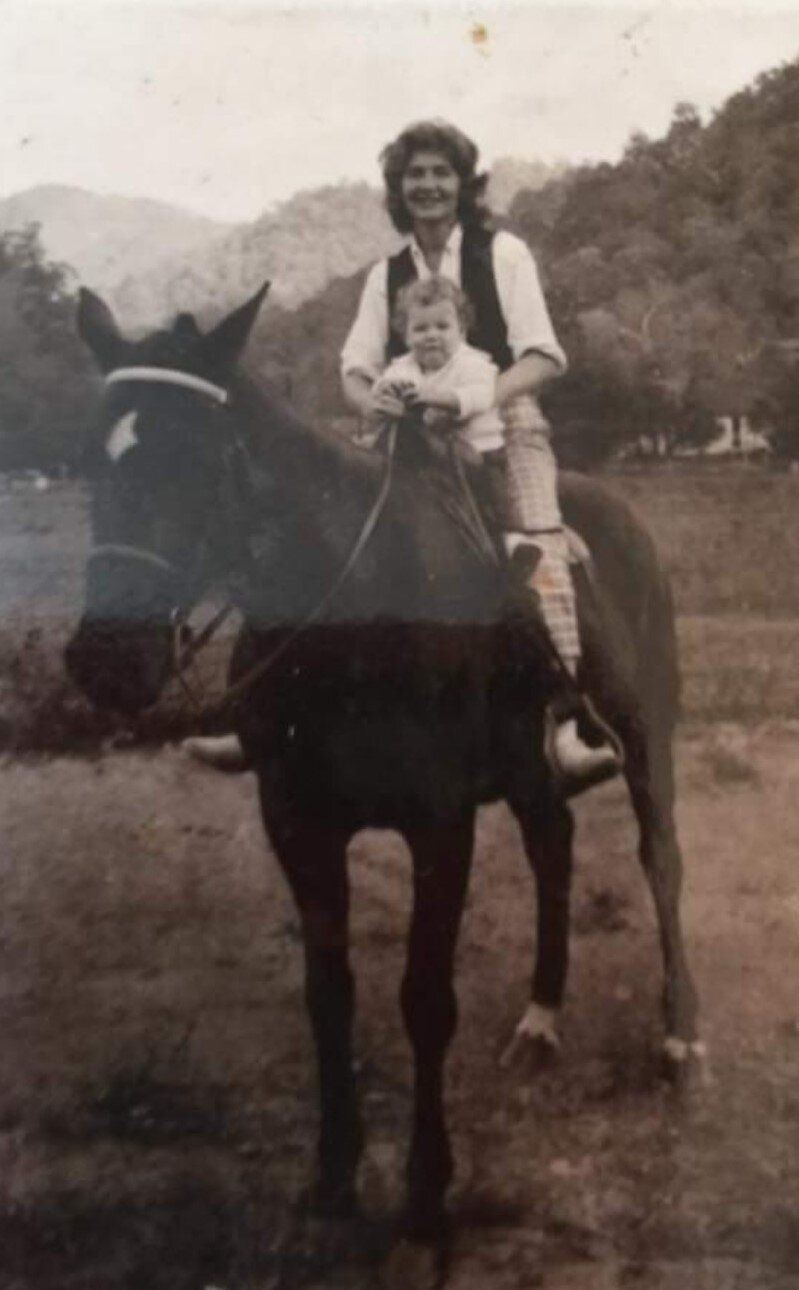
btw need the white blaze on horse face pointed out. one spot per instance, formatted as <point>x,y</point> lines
<point>122,437</point>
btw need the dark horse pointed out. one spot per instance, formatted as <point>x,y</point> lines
<point>404,705</point>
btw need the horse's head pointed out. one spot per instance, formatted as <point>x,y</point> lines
<point>168,468</point>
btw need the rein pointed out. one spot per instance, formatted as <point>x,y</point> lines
<point>234,692</point>
<point>141,554</point>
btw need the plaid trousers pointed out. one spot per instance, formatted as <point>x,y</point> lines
<point>532,512</point>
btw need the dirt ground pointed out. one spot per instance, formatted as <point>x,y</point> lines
<point>157,1093</point>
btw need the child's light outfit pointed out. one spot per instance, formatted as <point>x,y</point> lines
<point>472,377</point>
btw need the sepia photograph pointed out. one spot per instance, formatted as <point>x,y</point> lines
<point>399,645</point>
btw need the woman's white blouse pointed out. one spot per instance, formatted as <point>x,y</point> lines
<point>518,287</point>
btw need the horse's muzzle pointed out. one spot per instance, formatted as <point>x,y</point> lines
<point>119,665</point>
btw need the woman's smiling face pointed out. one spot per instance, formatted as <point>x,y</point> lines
<point>430,188</point>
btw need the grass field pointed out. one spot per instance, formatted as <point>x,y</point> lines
<point>157,1096</point>
<point>729,541</point>
<point>728,538</point>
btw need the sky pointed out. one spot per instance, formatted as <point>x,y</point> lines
<point>229,107</point>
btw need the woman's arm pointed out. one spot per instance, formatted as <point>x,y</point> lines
<point>527,376</point>
<point>357,390</point>
<point>363,354</point>
<point>531,337</point>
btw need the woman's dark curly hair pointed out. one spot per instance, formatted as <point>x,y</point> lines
<point>460,152</point>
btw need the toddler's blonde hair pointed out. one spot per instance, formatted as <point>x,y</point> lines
<point>431,291</point>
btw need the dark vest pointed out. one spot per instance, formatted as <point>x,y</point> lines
<point>489,332</point>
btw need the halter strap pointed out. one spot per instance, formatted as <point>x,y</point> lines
<point>235,692</point>
<point>169,376</point>
<point>121,551</point>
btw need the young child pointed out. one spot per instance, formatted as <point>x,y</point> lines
<point>453,383</point>
<point>455,386</point>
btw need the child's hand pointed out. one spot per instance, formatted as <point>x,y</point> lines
<point>390,399</point>
<point>406,390</point>
<point>402,388</point>
<point>431,395</point>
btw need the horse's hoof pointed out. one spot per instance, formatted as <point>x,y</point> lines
<point>535,1040</point>
<point>415,1265</point>
<point>685,1064</point>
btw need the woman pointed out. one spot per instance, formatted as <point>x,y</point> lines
<point>434,194</point>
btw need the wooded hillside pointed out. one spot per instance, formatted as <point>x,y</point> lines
<point>673,279</point>
<point>672,276</point>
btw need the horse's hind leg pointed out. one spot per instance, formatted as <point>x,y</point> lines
<point>441,863</point>
<point>650,776</point>
<point>547,834</point>
<point>314,862</point>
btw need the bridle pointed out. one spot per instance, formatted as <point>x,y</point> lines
<point>169,376</point>
<point>185,650</point>
<point>184,645</point>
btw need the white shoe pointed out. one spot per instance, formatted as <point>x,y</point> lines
<point>577,766</point>
<point>223,752</point>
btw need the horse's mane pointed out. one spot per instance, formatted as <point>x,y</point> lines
<point>271,424</point>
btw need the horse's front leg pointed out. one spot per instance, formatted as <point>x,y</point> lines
<point>547,833</point>
<point>314,862</point>
<point>441,862</point>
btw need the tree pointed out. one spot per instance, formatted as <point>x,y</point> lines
<point>45,384</point>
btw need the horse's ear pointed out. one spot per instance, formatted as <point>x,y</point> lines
<point>223,346</point>
<point>185,328</point>
<point>97,327</point>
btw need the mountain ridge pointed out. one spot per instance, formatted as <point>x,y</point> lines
<point>101,236</point>
<point>153,259</point>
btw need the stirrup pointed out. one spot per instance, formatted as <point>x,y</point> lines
<point>601,763</point>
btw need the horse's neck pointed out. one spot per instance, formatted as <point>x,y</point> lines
<point>318,499</point>
<point>308,463</point>
<point>312,496</point>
